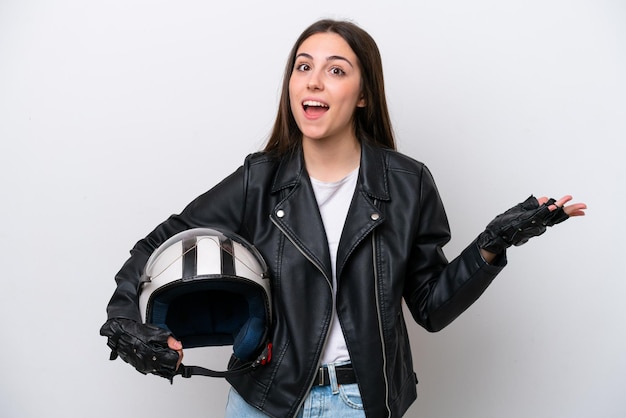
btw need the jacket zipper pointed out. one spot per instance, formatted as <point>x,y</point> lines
<point>328,282</point>
<point>380,324</point>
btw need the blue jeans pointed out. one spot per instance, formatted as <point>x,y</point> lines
<point>331,401</point>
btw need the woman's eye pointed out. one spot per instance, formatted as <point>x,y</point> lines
<point>303,67</point>
<point>337,71</point>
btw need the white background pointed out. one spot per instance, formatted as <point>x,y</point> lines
<point>115,114</point>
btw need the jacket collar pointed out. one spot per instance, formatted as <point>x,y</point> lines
<point>372,174</point>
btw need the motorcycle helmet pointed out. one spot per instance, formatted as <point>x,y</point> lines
<point>210,288</point>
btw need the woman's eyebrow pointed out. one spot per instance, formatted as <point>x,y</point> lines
<point>329,58</point>
<point>339,57</point>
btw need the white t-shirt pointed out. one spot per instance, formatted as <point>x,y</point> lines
<point>334,200</point>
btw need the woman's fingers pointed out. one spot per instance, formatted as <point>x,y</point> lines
<point>176,345</point>
<point>562,201</point>
<point>576,209</point>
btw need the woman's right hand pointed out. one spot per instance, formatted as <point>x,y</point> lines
<point>148,348</point>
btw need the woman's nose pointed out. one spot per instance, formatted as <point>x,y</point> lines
<point>315,82</point>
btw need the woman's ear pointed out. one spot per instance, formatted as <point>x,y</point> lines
<point>361,102</point>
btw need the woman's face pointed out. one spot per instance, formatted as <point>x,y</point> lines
<point>325,88</point>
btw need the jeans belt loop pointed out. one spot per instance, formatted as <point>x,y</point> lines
<point>332,376</point>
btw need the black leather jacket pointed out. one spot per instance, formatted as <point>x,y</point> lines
<point>390,249</point>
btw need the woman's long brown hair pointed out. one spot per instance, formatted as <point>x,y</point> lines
<point>371,123</point>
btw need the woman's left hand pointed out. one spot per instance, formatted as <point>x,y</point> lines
<point>523,221</point>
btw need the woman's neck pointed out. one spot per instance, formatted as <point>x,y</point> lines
<point>331,161</point>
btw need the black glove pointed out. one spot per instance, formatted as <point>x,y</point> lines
<point>518,224</point>
<point>143,346</point>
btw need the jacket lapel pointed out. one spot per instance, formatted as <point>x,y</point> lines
<point>298,216</point>
<point>363,215</point>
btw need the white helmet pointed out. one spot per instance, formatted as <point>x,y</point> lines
<point>210,288</point>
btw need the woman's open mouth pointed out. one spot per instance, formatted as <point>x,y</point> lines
<point>314,108</point>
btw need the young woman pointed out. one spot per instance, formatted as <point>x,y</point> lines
<point>349,228</point>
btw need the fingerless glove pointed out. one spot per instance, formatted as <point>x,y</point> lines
<point>143,346</point>
<point>518,224</point>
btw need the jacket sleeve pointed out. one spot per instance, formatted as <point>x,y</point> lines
<point>220,207</point>
<point>438,291</point>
